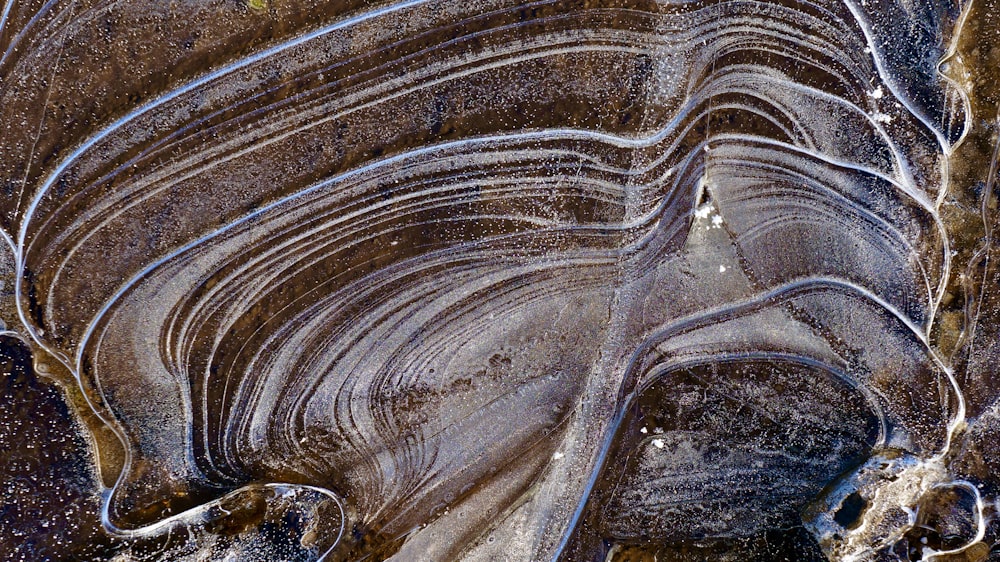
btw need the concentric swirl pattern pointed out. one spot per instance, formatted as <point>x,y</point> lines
<point>487,280</point>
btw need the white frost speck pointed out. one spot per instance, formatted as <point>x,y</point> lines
<point>558,455</point>
<point>704,211</point>
<point>643,430</point>
<point>722,269</point>
<point>658,443</point>
<point>877,93</point>
<point>717,221</point>
<point>882,118</point>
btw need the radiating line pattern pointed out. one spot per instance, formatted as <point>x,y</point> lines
<point>494,279</point>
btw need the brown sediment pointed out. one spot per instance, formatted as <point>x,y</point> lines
<point>665,264</point>
<point>967,333</point>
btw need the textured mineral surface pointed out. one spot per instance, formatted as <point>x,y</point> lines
<point>562,280</point>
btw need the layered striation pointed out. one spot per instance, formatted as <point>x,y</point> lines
<point>493,280</point>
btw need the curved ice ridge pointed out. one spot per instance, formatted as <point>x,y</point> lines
<point>437,265</point>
